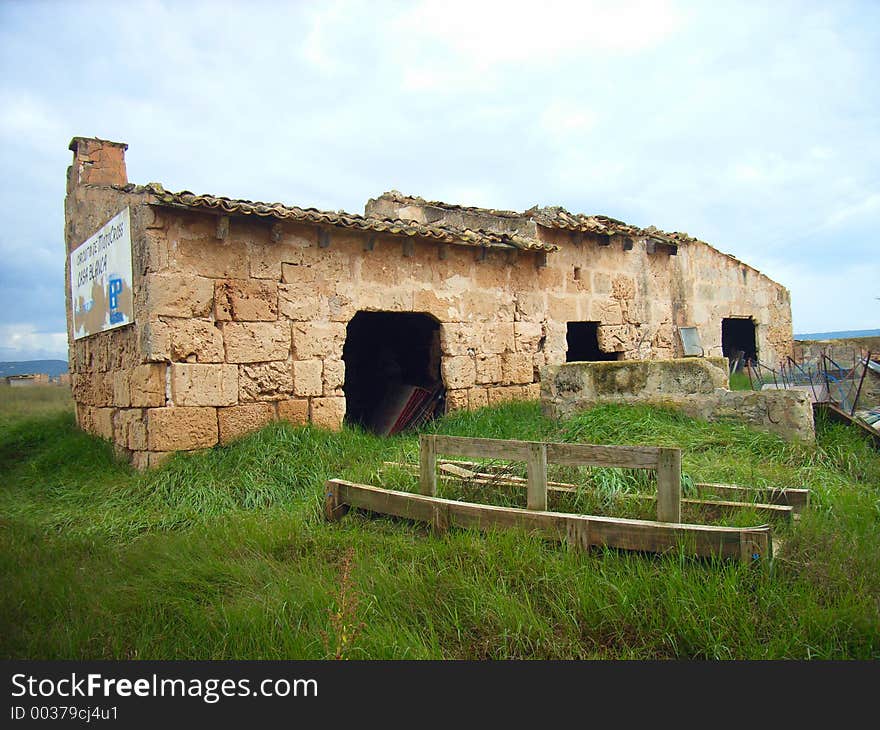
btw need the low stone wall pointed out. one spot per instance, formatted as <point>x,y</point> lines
<point>696,386</point>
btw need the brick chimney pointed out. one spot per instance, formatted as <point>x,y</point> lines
<point>97,162</point>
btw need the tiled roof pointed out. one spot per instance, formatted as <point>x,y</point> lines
<point>550,217</point>
<point>441,233</point>
<point>556,217</point>
<point>398,197</point>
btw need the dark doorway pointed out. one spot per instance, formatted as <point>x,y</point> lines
<point>583,343</point>
<point>738,342</point>
<point>392,370</point>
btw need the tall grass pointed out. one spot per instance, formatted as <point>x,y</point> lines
<point>225,553</point>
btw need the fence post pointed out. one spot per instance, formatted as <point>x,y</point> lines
<point>669,485</point>
<point>427,465</point>
<point>537,471</point>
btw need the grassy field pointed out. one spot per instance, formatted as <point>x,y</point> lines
<point>225,553</point>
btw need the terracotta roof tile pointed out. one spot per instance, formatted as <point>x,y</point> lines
<point>441,233</point>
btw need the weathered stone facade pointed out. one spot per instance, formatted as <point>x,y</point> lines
<point>241,308</point>
<point>696,386</point>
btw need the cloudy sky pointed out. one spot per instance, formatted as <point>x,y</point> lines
<point>752,125</point>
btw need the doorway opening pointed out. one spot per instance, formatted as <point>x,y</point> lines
<point>738,341</point>
<point>392,370</point>
<point>583,343</point>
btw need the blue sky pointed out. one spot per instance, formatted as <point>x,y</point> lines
<point>751,125</point>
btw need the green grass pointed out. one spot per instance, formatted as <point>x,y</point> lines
<point>225,553</point>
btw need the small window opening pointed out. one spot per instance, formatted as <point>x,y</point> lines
<point>583,343</point>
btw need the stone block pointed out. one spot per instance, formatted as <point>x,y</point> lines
<point>496,338</point>
<point>248,342</point>
<point>486,305</point>
<point>530,306</point>
<point>334,377</point>
<point>517,368</point>
<point>382,299</point>
<point>444,307</point>
<point>124,350</point>
<point>265,381</point>
<point>182,340</point>
<point>308,377</point>
<point>318,340</point>
<point>607,311</point>
<point>531,391</point>
<point>613,338</point>
<point>298,271</point>
<point>181,428</point>
<point>102,422</point>
<point>175,295</point>
<point>601,283</point>
<point>195,249</point>
<point>236,421</point>
<point>458,339</point>
<point>527,336</point>
<point>328,413</point>
<point>302,302</point>
<point>478,398</point>
<point>294,410</point>
<point>149,459</point>
<point>147,385</point>
<point>121,389</point>
<point>504,394</point>
<point>250,300</point>
<point>129,429</point>
<point>563,307</point>
<point>488,369</point>
<point>458,372</point>
<point>341,305</point>
<point>204,385</point>
<point>93,388</point>
<point>457,400</point>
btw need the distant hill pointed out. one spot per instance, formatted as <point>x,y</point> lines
<point>842,335</point>
<point>52,367</point>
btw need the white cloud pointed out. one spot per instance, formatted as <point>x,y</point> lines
<point>483,33</point>
<point>21,341</point>
<point>867,207</point>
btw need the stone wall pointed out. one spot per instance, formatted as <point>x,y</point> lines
<point>696,386</point>
<point>241,320</point>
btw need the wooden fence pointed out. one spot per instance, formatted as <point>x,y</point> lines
<point>666,462</point>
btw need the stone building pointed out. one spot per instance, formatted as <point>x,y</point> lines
<point>247,312</point>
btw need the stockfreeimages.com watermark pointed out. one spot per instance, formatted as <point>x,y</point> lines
<point>209,690</point>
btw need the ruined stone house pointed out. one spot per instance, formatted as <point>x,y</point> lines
<point>244,312</point>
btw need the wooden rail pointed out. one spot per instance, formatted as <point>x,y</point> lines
<point>579,531</point>
<point>796,498</point>
<point>776,507</point>
<point>665,461</point>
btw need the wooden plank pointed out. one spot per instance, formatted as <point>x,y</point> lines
<point>536,465</point>
<point>479,448</point>
<point>457,471</point>
<point>796,498</point>
<point>626,457</point>
<point>427,464</point>
<point>755,545</point>
<point>627,534</point>
<point>669,486</point>
<point>334,509</point>
<point>774,510</point>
